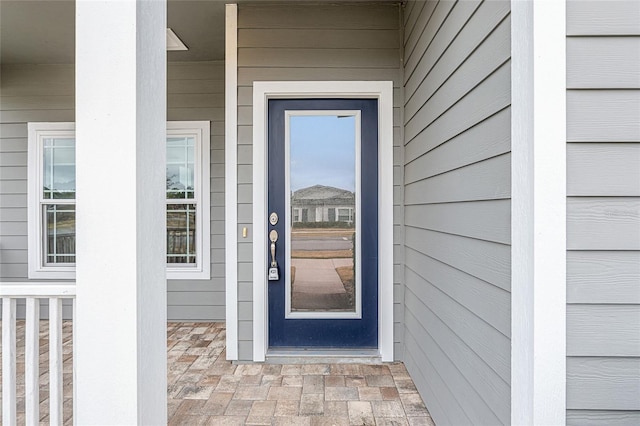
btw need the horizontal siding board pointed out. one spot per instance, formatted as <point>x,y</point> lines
<point>487,261</point>
<point>603,62</point>
<point>16,214</point>
<point>488,302</point>
<point>246,76</point>
<point>13,187</point>
<point>195,71</point>
<point>493,95</point>
<point>12,103</point>
<point>605,223</point>
<point>319,57</point>
<point>13,130</point>
<point>457,208</point>
<point>195,86</point>
<point>603,115</point>
<point>489,138</point>
<point>187,113</point>
<point>13,270</point>
<point>413,13</point>
<point>603,383</point>
<point>608,277</point>
<point>12,242</point>
<point>205,286</point>
<point>13,256</point>
<point>484,100</point>
<point>195,313</point>
<point>196,298</point>
<point>603,169</point>
<point>308,38</point>
<point>602,417</point>
<point>13,228</point>
<point>13,172</point>
<point>417,41</point>
<point>602,17</point>
<point>603,212</point>
<point>421,57</point>
<point>465,63</point>
<point>603,330</point>
<point>442,404</point>
<point>491,393</point>
<point>487,342</point>
<point>486,180</point>
<point>485,220</point>
<point>197,100</point>
<point>319,16</point>
<point>20,116</point>
<point>13,145</point>
<point>459,382</point>
<point>14,200</point>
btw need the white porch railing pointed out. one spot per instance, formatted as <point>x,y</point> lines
<point>32,292</point>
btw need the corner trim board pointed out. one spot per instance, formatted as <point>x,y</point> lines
<point>538,211</point>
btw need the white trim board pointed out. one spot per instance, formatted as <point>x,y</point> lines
<point>538,212</point>
<point>231,180</point>
<point>381,90</point>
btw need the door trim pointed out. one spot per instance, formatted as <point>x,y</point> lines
<point>262,92</point>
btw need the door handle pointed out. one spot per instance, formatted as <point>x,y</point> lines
<point>273,270</point>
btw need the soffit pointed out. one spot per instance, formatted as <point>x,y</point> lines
<point>43,31</point>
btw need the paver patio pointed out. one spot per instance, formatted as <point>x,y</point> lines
<point>204,388</point>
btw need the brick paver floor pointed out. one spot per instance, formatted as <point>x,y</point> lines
<point>205,389</point>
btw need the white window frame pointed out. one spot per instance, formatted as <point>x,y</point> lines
<point>202,199</point>
<point>37,267</point>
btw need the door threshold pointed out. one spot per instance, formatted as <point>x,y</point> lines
<point>322,356</point>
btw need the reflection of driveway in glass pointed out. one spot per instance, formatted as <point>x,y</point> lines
<point>321,239</point>
<point>318,286</point>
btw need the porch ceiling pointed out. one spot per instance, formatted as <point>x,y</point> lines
<point>43,31</point>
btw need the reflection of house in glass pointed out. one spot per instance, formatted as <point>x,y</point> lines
<point>320,204</point>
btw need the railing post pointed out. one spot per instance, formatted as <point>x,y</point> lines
<point>55,361</point>
<point>9,361</point>
<point>32,362</point>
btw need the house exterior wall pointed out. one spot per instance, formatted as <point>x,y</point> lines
<point>47,93</point>
<point>457,190</point>
<point>310,42</point>
<point>603,212</point>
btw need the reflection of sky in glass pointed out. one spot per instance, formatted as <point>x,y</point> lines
<point>59,168</point>
<point>180,166</point>
<point>323,152</point>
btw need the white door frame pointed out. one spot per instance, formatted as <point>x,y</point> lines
<point>381,90</point>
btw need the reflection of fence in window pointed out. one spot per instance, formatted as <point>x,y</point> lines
<point>60,223</point>
<point>181,233</point>
<point>64,247</point>
<point>180,246</point>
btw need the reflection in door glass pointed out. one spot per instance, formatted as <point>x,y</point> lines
<point>323,212</point>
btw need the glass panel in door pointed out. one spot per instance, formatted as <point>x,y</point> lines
<point>324,178</point>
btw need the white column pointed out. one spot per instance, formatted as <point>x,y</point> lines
<point>231,178</point>
<point>538,210</point>
<point>120,324</point>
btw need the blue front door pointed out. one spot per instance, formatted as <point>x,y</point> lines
<point>323,223</point>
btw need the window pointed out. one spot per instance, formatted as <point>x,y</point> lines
<point>51,205</point>
<point>345,215</point>
<point>188,200</point>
